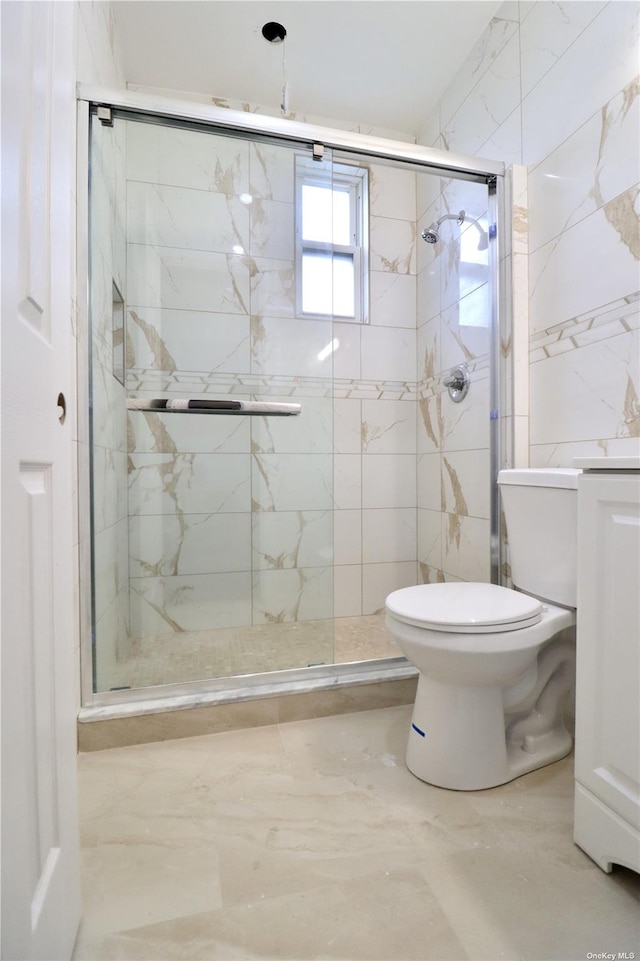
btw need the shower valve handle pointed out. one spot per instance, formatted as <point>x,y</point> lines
<point>457,383</point>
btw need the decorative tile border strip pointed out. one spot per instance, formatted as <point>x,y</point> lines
<point>267,386</point>
<point>618,317</point>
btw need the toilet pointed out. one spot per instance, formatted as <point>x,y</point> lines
<point>496,664</point>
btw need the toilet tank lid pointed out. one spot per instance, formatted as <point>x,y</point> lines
<point>566,477</point>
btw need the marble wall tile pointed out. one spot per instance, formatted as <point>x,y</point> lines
<point>518,226</point>
<point>110,561</point>
<point>347,362</point>
<point>347,537</point>
<point>600,63</point>
<point>303,594</point>
<point>271,172</point>
<point>430,424</point>
<point>388,427</point>
<point>465,426</point>
<point>465,329</point>
<point>347,426</point>
<point>388,354</point>
<point>430,538</point>
<point>109,468</point>
<point>347,590</point>
<point>464,268</point>
<point>560,286</point>
<point>273,291</point>
<point>193,483</point>
<point>465,543</point>
<point>195,602</point>
<point>488,48</point>
<point>292,482</point>
<point>591,168</point>
<point>392,192</point>
<point>108,217</point>
<point>272,234</point>
<point>505,140</point>
<point>589,393</point>
<point>429,356</point>
<point>109,416</point>
<point>388,480</point>
<point>489,103</point>
<point>167,216</point>
<point>291,346</point>
<point>309,432</point>
<point>388,535</point>
<point>183,340</point>
<point>170,544</point>
<point>466,482</point>
<point>99,58</point>
<point>392,245</point>
<point>151,433</point>
<point>347,481</point>
<point>187,279</point>
<point>287,539</point>
<point>430,490</point>
<point>392,299</point>
<point>158,154</point>
<point>428,291</point>
<point>378,580</point>
<point>110,630</point>
<point>548,32</point>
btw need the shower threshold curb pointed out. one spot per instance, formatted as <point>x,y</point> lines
<point>248,692</point>
<point>194,713</point>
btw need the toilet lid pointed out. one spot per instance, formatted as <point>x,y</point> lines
<point>464,608</point>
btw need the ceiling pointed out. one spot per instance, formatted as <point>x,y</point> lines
<point>380,63</point>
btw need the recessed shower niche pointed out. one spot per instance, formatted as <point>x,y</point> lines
<point>287,293</point>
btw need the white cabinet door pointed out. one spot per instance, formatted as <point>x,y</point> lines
<point>608,664</point>
<point>40,863</point>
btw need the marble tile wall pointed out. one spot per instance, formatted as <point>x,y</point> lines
<point>235,521</point>
<point>453,439</point>
<point>554,87</point>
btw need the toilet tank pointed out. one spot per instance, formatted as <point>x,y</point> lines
<point>541,513</point>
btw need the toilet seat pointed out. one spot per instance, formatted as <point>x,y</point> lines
<point>464,608</point>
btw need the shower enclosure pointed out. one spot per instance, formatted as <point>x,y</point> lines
<point>274,275</point>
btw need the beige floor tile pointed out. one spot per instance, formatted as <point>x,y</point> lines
<point>335,921</point>
<point>311,840</point>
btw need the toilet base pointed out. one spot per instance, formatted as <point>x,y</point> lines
<point>470,752</point>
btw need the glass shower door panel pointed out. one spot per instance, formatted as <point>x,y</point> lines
<point>229,518</point>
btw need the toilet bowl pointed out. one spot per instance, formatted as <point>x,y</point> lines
<point>496,664</point>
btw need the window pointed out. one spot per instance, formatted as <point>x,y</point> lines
<point>331,239</point>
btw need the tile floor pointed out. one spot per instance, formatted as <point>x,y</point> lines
<point>311,840</point>
<point>225,652</point>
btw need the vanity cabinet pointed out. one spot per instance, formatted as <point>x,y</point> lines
<point>607,740</point>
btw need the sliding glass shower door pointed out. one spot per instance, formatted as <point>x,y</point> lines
<point>213,529</point>
<point>231,271</point>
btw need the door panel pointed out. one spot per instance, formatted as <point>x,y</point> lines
<point>40,849</point>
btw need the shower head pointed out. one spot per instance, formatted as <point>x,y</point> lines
<point>432,234</point>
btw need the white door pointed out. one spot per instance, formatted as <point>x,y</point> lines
<point>40,863</point>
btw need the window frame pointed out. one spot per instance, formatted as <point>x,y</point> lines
<point>353,179</point>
